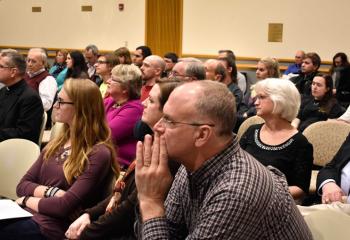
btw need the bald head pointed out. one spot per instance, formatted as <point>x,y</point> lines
<point>214,70</point>
<point>152,68</point>
<point>299,56</point>
<point>210,101</point>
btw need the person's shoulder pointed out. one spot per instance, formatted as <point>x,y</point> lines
<point>102,152</point>
<point>301,140</point>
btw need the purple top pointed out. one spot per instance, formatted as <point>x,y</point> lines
<point>122,120</point>
<point>88,189</point>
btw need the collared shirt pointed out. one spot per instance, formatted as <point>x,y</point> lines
<point>293,68</point>
<point>231,196</point>
<point>47,89</point>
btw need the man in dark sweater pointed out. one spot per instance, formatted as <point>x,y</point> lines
<point>309,68</point>
<point>21,110</point>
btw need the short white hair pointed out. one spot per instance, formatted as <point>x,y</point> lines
<point>284,95</point>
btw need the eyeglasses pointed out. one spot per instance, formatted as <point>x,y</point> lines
<point>101,62</point>
<point>2,67</point>
<point>170,123</point>
<point>61,102</point>
<point>175,74</point>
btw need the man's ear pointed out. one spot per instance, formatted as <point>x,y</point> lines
<point>203,135</point>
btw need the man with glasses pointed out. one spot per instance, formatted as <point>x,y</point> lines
<point>189,69</point>
<point>220,191</point>
<point>21,110</point>
<point>39,78</point>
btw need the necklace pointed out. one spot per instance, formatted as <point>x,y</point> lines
<point>63,156</point>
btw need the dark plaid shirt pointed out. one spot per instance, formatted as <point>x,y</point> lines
<point>232,196</point>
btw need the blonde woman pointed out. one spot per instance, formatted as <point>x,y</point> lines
<point>277,142</point>
<point>267,68</point>
<point>73,172</point>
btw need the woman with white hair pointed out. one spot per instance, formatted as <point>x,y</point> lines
<point>277,142</point>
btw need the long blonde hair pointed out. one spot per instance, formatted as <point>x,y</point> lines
<point>89,128</point>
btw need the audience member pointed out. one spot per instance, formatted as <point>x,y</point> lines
<point>39,78</point>
<point>124,109</point>
<point>320,106</point>
<point>333,181</point>
<point>21,110</point>
<point>73,172</point>
<point>104,65</point>
<point>115,216</point>
<point>152,68</point>
<point>170,60</point>
<point>295,68</point>
<point>309,68</point>
<point>91,55</point>
<point>220,70</point>
<point>60,62</point>
<point>241,79</point>
<point>277,142</point>
<point>123,55</point>
<point>220,191</point>
<point>76,68</point>
<point>189,69</point>
<point>340,71</point>
<point>140,54</point>
<point>267,68</point>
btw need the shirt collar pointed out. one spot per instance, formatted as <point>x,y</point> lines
<point>214,164</point>
<point>36,73</point>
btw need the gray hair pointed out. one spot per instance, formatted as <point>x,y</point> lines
<point>93,49</point>
<point>42,54</point>
<point>130,79</point>
<point>217,103</point>
<point>195,70</point>
<point>284,95</point>
<point>15,59</point>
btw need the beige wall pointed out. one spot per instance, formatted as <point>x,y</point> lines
<point>62,24</point>
<point>313,25</point>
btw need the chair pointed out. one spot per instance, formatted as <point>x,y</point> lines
<point>16,157</point>
<point>43,125</point>
<point>56,129</point>
<point>247,123</point>
<point>326,138</point>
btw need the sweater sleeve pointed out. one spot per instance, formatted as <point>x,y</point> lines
<point>302,166</point>
<point>95,173</point>
<point>122,218</point>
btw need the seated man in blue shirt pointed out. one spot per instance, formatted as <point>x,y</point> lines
<point>295,67</point>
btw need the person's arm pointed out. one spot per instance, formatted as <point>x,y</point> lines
<point>153,180</point>
<point>302,168</point>
<point>346,116</point>
<point>28,122</point>
<point>122,125</point>
<point>95,173</point>
<point>121,217</point>
<point>47,91</point>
